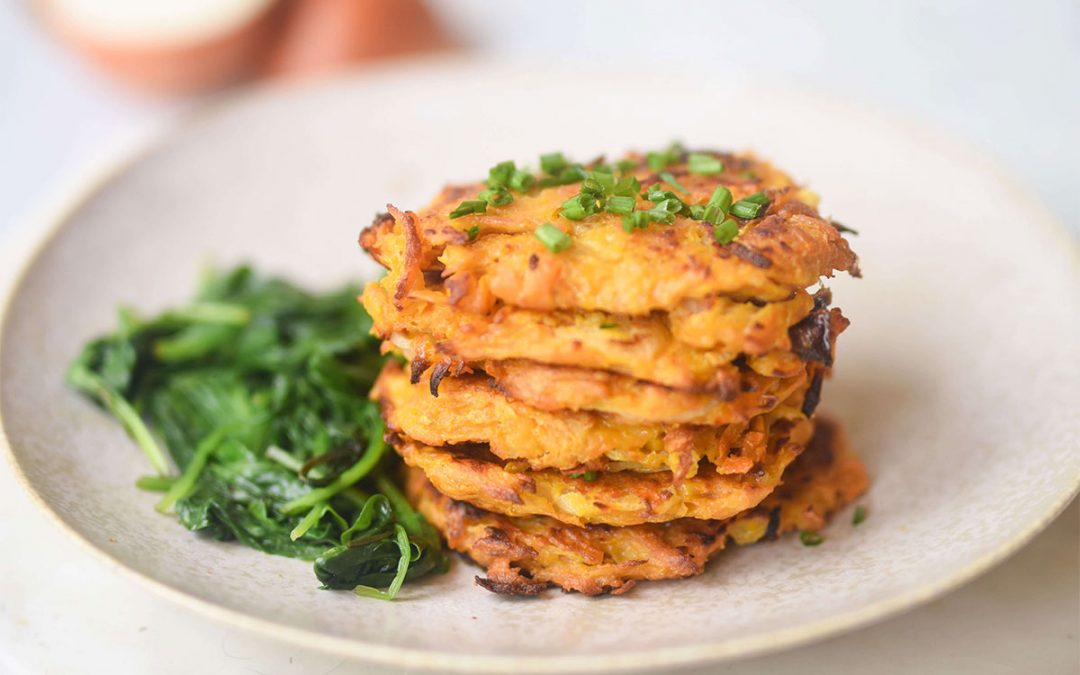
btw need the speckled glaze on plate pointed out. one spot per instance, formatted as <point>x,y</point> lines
<point>958,380</point>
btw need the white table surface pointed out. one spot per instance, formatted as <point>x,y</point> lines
<point>1002,76</point>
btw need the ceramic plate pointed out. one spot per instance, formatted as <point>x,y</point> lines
<point>958,379</point>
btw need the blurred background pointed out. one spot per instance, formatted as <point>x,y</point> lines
<point>82,82</point>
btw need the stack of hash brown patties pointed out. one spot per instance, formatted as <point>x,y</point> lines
<point>611,371</point>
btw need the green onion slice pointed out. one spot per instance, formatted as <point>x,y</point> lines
<point>469,207</point>
<point>553,163</point>
<point>522,181</point>
<point>750,207</point>
<point>553,238</point>
<point>721,198</point>
<point>860,515</point>
<point>669,178</point>
<point>704,165</point>
<point>497,196</point>
<point>726,231</point>
<point>499,175</point>
<point>620,205</point>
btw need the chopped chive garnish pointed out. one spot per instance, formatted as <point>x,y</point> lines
<point>602,191</point>
<point>599,183</point>
<point>499,175</point>
<point>608,325</point>
<point>665,211</point>
<point>588,476</point>
<point>750,207</point>
<point>627,186</point>
<point>553,163</point>
<point>712,215</point>
<point>553,238</point>
<point>809,538</point>
<point>745,210</point>
<point>721,198</point>
<point>469,207</point>
<point>472,232</point>
<point>496,196</point>
<point>573,210</point>
<point>638,220</point>
<point>860,514</point>
<point>658,194</point>
<point>841,228</point>
<point>668,178</point>
<point>565,176</point>
<point>726,231</point>
<point>579,207</point>
<point>657,160</point>
<point>522,181</point>
<point>704,165</point>
<point>620,205</point>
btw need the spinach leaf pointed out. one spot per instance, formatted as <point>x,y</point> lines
<point>257,392</point>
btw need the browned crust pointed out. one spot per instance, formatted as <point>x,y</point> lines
<point>789,247</point>
<point>618,498</point>
<point>559,388</point>
<point>528,554</point>
<point>411,268</point>
<point>690,348</point>
<point>472,410</point>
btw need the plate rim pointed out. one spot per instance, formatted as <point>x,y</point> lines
<point>53,220</point>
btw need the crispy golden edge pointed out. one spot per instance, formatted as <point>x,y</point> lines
<point>645,347</point>
<point>620,499</point>
<point>527,555</point>
<point>633,401</point>
<point>469,409</point>
<point>747,327</point>
<point>768,379</point>
<point>607,269</point>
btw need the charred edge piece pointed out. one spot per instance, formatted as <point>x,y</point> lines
<point>811,337</point>
<point>519,586</point>
<point>821,450</point>
<point>391,437</point>
<point>458,286</point>
<point>452,234</point>
<point>465,509</point>
<point>416,369</point>
<point>433,278</point>
<point>751,256</point>
<point>822,299</point>
<point>498,543</point>
<point>840,227</point>
<point>380,218</point>
<point>412,256</point>
<point>437,375</point>
<point>772,531</point>
<point>812,396</point>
